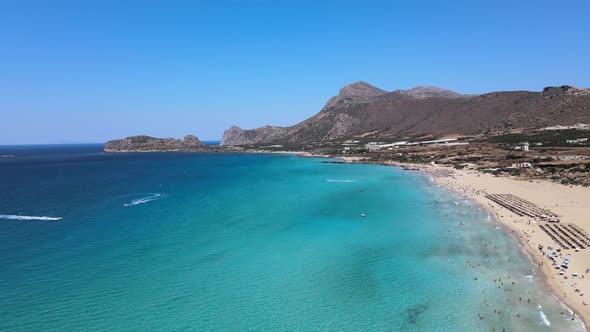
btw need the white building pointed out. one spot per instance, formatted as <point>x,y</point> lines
<point>383,145</point>
<point>524,147</point>
<point>454,144</point>
<point>577,141</point>
<point>436,141</point>
<point>374,145</point>
<point>521,165</point>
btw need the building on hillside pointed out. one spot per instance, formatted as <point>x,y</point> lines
<point>382,145</point>
<point>454,144</point>
<point>523,146</point>
<point>436,141</point>
<point>577,141</point>
<point>521,165</point>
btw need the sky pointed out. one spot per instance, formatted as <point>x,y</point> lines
<point>90,71</point>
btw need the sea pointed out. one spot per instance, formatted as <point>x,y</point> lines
<point>261,242</point>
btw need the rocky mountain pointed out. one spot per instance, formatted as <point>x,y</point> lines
<point>353,93</point>
<point>363,110</point>
<point>349,95</point>
<point>237,136</point>
<point>150,144</point>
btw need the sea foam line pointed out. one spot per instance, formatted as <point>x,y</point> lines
<point>544,319</point>
<point>347,181</point>
<point>18,217</point>
<point>144,200</point>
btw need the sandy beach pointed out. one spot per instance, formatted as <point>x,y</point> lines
<point>571,204</point>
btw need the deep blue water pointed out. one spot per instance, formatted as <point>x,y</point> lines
<point>197,241</point>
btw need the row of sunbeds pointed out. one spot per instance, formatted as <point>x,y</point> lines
<point>522,207</point>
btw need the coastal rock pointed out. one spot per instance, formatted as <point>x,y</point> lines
<point>238,136</point>
<point>144,143</point>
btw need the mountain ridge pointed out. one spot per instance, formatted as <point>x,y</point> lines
<point>361,108</point>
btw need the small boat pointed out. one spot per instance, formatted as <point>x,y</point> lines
<point>363,215</point>
<point>445,221</point>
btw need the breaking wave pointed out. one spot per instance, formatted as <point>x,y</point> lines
<point>17,217</point>
<point>143,200</point>
<point>544,319</point>
<point>331,180</point>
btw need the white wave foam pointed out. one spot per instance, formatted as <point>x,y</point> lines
<point>544,319</point>
<point>17,217</point>
<point>144,200</point>
<point>529,277</point>
<point>347,181</point>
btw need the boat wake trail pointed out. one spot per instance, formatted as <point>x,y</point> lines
<point>143,200</point>
<point>347,181</point>
<point>28,218</point>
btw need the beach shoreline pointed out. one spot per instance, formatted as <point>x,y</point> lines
<point>464,183</point>
<point>473,185</point>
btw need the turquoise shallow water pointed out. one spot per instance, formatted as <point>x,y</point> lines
<point>251,242</point>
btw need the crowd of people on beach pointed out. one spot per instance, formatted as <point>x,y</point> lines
<point>526,233</point>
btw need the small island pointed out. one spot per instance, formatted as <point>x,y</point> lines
<point>143,143</point>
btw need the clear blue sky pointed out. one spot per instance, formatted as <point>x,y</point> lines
<point>89,71</point>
